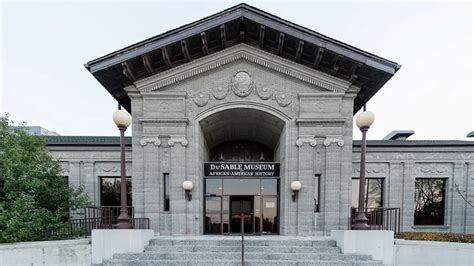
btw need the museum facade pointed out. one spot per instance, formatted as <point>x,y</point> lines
<point>242,104</point>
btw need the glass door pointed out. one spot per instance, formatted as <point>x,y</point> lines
<point>241,210</point>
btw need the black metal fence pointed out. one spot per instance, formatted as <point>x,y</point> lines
<point>381,219</point>
<point>104,217</point>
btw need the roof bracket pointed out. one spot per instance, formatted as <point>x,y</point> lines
<point>319,57</point>
<point>281,42</point>
<point>335,66</point>
<point>242,29</point>
<point>205,50</point>
<point>184,49</point>
<point>355,72</point>
<point>127,71</point>
<point>166,57</point>
<point>261,39</point>
<point>299,51</point>
<point>223,38</point>
<point>147,64</point>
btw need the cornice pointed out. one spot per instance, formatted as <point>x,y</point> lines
<point>336,121</point>
<point>248,53</point>
<point>163,120</point>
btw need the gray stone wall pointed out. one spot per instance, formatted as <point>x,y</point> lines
<point>400,166</point>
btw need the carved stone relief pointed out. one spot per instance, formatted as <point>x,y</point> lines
<point>178,140</point>
<point>201,99</point>
<point>333,139</point>
<point>220,92</point>
<point>264,93</point>
<point>283,99</point>
<point>306,140</point>
<point>371,169</point>
<point>242,83</point>
<point>150,140</point>
<point>432,168</point>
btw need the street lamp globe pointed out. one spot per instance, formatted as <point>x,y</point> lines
<point>365,119</point>
<point>122,118</point>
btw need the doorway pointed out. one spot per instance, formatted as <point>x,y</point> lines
<point>241,211</point>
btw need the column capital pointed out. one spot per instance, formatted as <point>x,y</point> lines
<point>333,139</point>
<point>309,140</point>
<point>178,140</point>
<point>149,140</point>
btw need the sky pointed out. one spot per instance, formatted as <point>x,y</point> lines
<point>44,45</point>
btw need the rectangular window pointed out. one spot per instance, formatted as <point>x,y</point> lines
<point>110,191</point>
<point>373,192</point>
<point>429,201</point>
<point>166,192</point>
<point>316,193</point>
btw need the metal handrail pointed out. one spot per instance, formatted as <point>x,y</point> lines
<point>242,233</point>
<point>381,218</point>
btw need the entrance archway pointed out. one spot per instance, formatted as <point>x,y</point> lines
<point>242,136</point>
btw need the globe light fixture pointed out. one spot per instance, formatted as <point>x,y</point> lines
<point>295,187</point>
<point>188,187</point>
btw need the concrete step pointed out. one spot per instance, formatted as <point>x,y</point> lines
<point>235,242</point>
<point>194,256</point>
<point>120,262</point>
<point>277,249</point>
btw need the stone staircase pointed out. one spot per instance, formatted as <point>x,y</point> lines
<point>226,250</point>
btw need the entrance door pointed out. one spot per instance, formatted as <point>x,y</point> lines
<point>241,206</point>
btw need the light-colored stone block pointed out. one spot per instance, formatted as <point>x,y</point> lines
<point>409,252</point>
<point>378,244</point>
<point>107,242</point>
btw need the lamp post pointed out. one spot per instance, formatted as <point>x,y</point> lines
<point>363,122</point>
<point>122,119</point>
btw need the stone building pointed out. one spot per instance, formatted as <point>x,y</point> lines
<point>242,103</point>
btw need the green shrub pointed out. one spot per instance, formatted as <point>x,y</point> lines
<point>431,236</point>
<point>34,196</point>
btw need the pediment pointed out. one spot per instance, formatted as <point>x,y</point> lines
<point>242,24</point>
<point>249,54</point>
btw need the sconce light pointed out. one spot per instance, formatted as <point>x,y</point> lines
<point>188,186</point>
<point>295,187</point>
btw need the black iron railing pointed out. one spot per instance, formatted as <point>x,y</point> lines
<point>381,219</point>
<point>104,217</point>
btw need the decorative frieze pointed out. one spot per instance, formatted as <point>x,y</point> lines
<point>150,140</point>
<point>306,140</point>
<point>433,169</point>
<point>333,139</point>
<point>242,85</point>
<point>178,140</point>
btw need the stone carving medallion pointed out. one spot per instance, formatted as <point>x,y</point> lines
<point>264,93</point>
<point>283,99</point>
<point>201,99</point>
<point>220,92</point>
<point>242,84</point>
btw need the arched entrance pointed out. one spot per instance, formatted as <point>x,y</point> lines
<point>242,156</point>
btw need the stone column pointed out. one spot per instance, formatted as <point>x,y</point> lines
<point>90,183</point>
<point>178,203</point>
<point>332,180</point>
<point>305,201</point>
<point>151,190</point>
<point>456,195</point>
<point>408,194</point>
